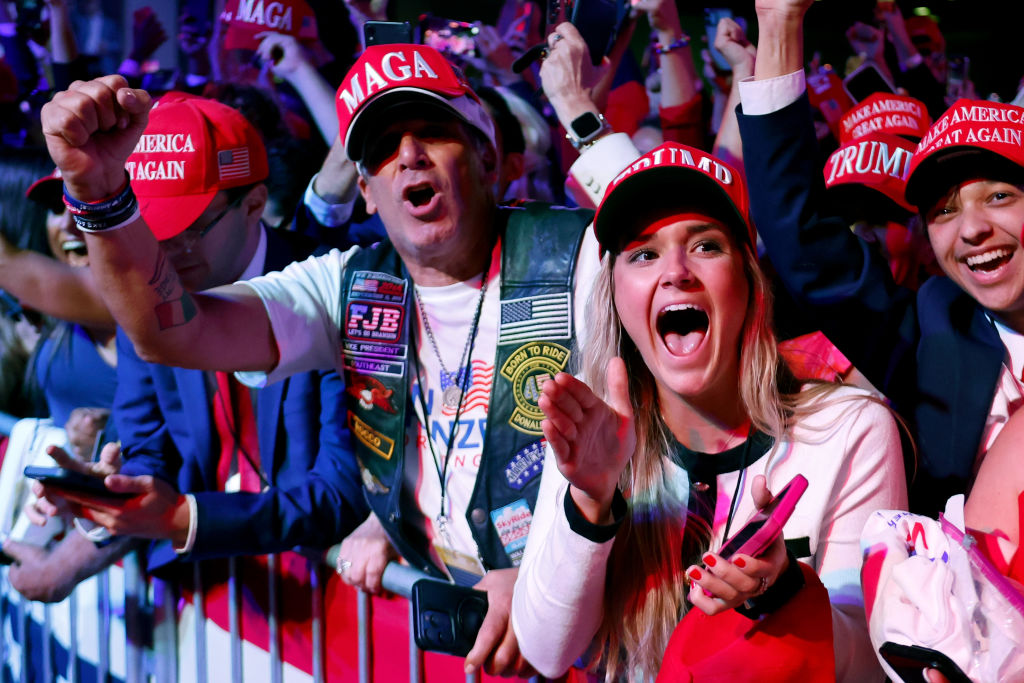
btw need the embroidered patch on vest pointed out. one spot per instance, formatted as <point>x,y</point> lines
<point>527,369</point>
<point>372,483</point>
<point>374,322</point>
<point>368,284</point>
<point>542,316</point>
<point>370,437</point>
<point>525,465</point>
<point>371,393</point>
<point>372,342</point>
<point>512,522</point>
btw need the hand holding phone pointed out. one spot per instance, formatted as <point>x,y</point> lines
<point>72,481</point>
<point>910,661</point>
<point>447,616</point>
<point>765,525</point>
<point>865,81</point>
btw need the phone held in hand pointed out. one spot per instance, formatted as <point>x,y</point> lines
<point>766,524</point>
<point>866,80</point>
<point>447,616</point>
<point>910,661</point>
<point>72,481</point>
<point>386,32</point>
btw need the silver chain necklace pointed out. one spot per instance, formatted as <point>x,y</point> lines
<point>453,383</point>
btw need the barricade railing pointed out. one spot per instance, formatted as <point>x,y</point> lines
<point>168,636</point>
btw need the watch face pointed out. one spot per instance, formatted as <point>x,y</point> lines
<point>585,125</point>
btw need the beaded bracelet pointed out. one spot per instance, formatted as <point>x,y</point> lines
<point>106,214</point>
<point>681,42</point>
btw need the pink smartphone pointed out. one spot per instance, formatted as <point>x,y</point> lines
<point>766,524</point>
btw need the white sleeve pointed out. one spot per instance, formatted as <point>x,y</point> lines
<point>872,478</point>
<point>598,165</point>
<point>771,94</point>
<point>327,214</point>
<point>588,268</point>
<point>303,302</point>
<point>558,603</point>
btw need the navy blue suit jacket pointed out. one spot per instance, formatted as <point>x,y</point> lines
<point>933,352</point>
<point>165,423</point>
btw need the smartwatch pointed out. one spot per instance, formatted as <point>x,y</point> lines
<point>585,129</point>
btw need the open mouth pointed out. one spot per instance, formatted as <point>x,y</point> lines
<point>682,327</point>
<point>419,195</point>
<point>989,261</point>
<point>76,247</point>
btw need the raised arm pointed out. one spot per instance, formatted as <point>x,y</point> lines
<point>52,287</point>
<point>90,130</point>
<point>780,37</point>
<point>820,261</point>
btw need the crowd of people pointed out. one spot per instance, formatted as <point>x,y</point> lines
<point>553,328</point>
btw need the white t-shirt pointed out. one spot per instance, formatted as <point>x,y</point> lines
<point>304,305</point>
<point>850,453</point>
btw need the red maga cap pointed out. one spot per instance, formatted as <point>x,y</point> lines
<point>248,18</point>
<point>878,161</point>
<point>48,190</point>
<point>973,138</point>
<point>885,113</point>
<point>191,149</point>
<point>667,179</point>
<point>385,75</point>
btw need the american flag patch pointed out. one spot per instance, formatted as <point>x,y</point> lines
<point>233,163</point>
<point>543,316</point>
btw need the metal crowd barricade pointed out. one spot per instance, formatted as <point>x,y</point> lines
<point>149,623</point>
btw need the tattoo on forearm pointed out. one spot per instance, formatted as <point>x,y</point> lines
<point>174,313</point>
<point>164,278</point>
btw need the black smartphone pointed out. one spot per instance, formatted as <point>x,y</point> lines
<point>910,661</point>
<point>386,32</point>
<point>60,478</point>
<point>864,81</point>
<point>447,616</point>
<point>5,559</point>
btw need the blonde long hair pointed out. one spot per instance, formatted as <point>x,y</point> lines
<point>645,588</point>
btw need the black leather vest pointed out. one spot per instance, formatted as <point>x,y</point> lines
<point>536,339</point>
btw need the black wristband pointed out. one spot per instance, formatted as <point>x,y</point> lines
<point>598,533</point>
<point>106,214</point>
<point>778,594</point>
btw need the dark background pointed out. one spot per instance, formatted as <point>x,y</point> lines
<point>985,30</point>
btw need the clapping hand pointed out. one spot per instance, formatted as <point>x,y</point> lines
<point>592,440</point>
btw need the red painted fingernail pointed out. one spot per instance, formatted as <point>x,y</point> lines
<point>739,562</point>
<point>695,574</point>
<point>709,560</point>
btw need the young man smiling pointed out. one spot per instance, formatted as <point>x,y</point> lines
<point>443,333</point>
<point>950,356</point>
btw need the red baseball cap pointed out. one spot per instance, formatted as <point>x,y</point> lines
<point>872,164</point>
<point>666,179</point>
<point>389,75</point>
<point>191,149</point>
<point>885,113</point>
<point>248,18</point>
<point>48,190</point>
<point>972,139</point>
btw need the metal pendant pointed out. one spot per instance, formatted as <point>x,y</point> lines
<point>452,396</point>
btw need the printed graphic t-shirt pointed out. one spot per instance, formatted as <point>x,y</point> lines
<point>303,302</point>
